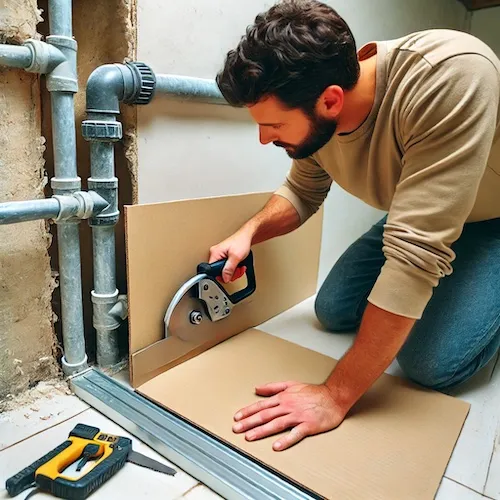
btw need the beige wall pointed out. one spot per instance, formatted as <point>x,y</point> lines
<point>188,151</point>
<point>26,284</point>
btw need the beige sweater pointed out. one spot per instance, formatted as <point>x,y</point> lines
<point>428,153</point>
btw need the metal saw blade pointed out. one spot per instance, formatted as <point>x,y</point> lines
<point>180,323</point>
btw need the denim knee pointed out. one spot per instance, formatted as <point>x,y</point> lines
<point>334,314</point>
<point>425,372</point>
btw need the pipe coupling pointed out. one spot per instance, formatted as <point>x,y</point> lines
<point>102,319</point>
<point>63,78</point>
<point>44,57</point>
<point>65,185</point>
<point>143,84</point>
<point>100,130</point>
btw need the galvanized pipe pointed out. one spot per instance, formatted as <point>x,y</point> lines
<point>62,84</point>
<point>15,56</point>
<point>23,211</point>
<point>105,293</point>
<point>189,88</point>
<point>60,17</point>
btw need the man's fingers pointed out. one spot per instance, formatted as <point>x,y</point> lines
<point>273,427</point>
<point>259,418</point>
<point>273,388</point>
<point>264,404</point>
<point>298,433</point>
<point>229,269</point>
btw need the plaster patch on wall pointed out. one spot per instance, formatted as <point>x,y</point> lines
<point>18,20</point>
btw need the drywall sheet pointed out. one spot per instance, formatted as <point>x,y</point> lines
<point>395,444</point>
<point>165,243</point>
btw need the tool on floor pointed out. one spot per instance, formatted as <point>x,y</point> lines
<point>202,301</point>
<point>105,453</point>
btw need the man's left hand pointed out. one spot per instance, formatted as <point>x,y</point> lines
<point>306,409</point>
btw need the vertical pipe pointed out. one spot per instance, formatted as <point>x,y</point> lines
<point>62,84</point>
<point>60,18</point>
<point>105,293</point>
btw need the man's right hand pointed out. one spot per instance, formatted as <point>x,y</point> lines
<point>235,249</point>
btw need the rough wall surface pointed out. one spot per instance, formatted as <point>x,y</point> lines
<point>26,282</point>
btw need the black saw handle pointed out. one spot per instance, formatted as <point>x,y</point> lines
<point>214,270</point>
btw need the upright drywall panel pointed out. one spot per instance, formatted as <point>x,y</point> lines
<point>485,25</point>
<point>188,151</point>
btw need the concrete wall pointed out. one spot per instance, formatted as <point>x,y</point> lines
<point>188,151</point>
<point>485,25</point>
<point>26,283</point>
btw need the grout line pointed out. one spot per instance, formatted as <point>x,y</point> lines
<point>492,455</point>
<point>43,430</point>
<point>469,488</point>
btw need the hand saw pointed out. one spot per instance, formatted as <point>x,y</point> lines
<point>203,299</point>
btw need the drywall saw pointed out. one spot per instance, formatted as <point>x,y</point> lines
<point>202,299</point>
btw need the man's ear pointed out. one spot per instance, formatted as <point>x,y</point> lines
<point>330,102</point>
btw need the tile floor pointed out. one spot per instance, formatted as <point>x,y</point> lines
<point>27,433</point>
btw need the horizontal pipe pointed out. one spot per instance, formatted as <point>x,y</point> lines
<point>15,56</point>
<point>23,211</point>
<point>187,87</point>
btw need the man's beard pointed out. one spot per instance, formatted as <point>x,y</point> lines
<point>321,131</point>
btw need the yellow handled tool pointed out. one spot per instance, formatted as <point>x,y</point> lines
<point>106,453</point>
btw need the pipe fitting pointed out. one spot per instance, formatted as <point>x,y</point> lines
<point>120,309</point>
<point>44,56</point>
<point>132,83</point>
<point>80,204</point>
<point>63,78</point>
<point>108,190</point>
<point>103,304</point>
<point>73,368</point>
<point>100,130</point>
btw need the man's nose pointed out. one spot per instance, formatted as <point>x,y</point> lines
<point>267,136</point>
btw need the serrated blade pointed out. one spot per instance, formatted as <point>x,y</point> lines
<point>144,461</point>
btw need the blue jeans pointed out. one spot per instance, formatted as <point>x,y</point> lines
<point>459,331</point>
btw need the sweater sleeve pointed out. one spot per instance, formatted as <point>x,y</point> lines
<point>306,187</point>
<point>447,124</point>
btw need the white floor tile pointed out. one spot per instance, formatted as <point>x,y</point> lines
<point>471,457</point>
<point>130,482</point>
<point>53,405</point>
<point>449,490</point>
<point>492,488</point>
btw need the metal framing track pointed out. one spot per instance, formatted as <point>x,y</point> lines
<point>225,470</point>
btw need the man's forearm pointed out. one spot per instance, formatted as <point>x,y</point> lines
<point>380,337</point>
<point>278,217</point>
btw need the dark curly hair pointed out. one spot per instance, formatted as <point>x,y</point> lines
<point>294,51</point>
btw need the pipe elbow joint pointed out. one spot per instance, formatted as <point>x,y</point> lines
<point>110,84</point>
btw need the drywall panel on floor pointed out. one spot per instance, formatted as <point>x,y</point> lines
<point>395,443</point>
<point>192,150</point>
